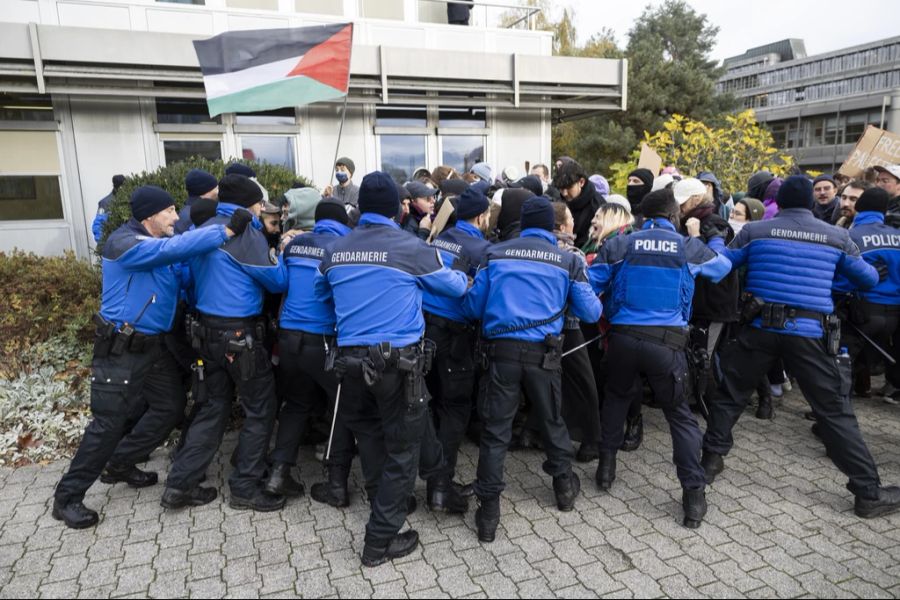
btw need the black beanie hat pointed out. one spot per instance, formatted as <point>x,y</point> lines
<point>537,212</point>
<point>378,194</point>
<point>873,200</point>
<point>453,187</point>
<point>239,169</point>
<point>532,183</point>
<point>757,184</point>
<point>202,210</point>
<point>197,182</point>
<point>238,189</point>
<point>333,210</point>
<point>148,200</point>
<point>117,181</point>
<point>660,203</point>
<point>795,192</point>
<point>471,203</point>
<point>645,175</point>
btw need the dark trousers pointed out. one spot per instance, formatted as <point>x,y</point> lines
<point>824,383</point>
<point>122,387</point>
<point>882,325</point>
<point>665,370</point>
<point>388,430</point>
<point>256,390</point>
<point>301,374</point>
<point>451,382</point>
<point>580,401</point>
<point>504,383</point>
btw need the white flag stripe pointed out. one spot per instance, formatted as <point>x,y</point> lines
<point>238,81</point>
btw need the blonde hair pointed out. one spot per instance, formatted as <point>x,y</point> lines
<point>611,217</point>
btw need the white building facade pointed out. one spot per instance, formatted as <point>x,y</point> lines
<point>91,88</point>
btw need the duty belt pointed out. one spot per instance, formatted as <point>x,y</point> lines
<point>528,353</point>
<point>303,338</point>
<point>445,323</point>
<point>676,338</point>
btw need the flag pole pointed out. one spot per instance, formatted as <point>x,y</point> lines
<point>337,146</point>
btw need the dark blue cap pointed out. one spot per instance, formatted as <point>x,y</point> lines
<point>537,212</point>
<point>471,203</point>
<point>796,192</point>
<point>197,182</point>
<point>378,194</point>
<point>239,169</point>
<point>148,200</point>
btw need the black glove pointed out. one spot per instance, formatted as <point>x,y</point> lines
<point>708,231</point>
<point>883,270</point>
<point>239,221</point>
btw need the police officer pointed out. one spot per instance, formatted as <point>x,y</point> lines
<point>229,334</point>
<point>520,295</point>
<point>375,276</point>
<point>452,380</point>
<point>103,206</point>
<point>199,184</point>
<point>789,315</point>
<point>647,279</point>
<point>132,367</point>
<point>306,334</point>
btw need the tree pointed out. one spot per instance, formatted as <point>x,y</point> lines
<point>733,150</point>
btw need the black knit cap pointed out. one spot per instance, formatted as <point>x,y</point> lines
<point>333,210</point>
<point>202,210</point>
<point>873,200</point>
<point>148,200</point>
<point>238,189</point>
<point>239,169</point>
<point>796,192</point>
<point>453,187</point>
<point>532,183</point>
<point>660,203</point>
<point>197,182</point>
<point>537,212</point>
<point>471,204</point>
<point>378,194</point>
<point>645,175</point>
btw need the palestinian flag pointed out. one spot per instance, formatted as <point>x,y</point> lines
<point>263,69</point>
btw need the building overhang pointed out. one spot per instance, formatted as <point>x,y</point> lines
<point>103,62</point>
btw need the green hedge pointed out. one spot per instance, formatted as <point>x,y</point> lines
<point>275,178</point>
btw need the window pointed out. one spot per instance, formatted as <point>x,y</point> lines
<point>462,151</point>
<point>16,107</point>
<point>182,111</point>
<point>30,197</point>
<point>281,116</point>
<point>401,155</point>
<point>401,116</point>
<point>320,7</point>
<point>381,9</point>
<point>272,149</point>
<point>180,150</point>
<point>462,117</point>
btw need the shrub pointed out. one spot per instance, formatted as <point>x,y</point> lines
<point>275,178</point>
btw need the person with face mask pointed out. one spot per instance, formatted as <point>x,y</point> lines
<point>640,183</point>
<point>346,191</point>
<point>745,210</point>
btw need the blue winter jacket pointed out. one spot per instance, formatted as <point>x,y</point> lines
<point>462,247</point>
<point>231,281</point>
<point>102,216</point>
<point>375,276</point>
<point>140,270</point>
<point>529,280</point>
<point>877,242</point>
<point>647,277</point>
<point>301,310</point>
<point>792,259</point>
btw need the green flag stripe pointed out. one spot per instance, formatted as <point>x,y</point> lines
<point>295,91</point>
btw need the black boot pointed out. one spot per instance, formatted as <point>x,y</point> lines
<point>334,491</point>
<point>75,514</point>
<point>566,487</point>
<point>764,410</point>
<point>466,490</point>
<point>712,464</point>
<point>606,470</point>
<point>133,476</point>
<point>587,452</point>
<point>198,496</point>
<point>634,434</point>
<point>443,497</point>
<point>280,482</point>
<point>399,546</point>
<point>260,502</point>
<point>487,518</point>
<point>888,501</point>
<point>694,504</point>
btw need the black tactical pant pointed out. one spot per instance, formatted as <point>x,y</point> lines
<point>388,427</point>
<point>881,322</point>
<point>504,382</point>
<point>301,374</point>
<point>451,382</point>
<point>143,388</point>
<point>581,402</point>
<point>250,371</point>
<point>665,370</point>
<point>825,383</point>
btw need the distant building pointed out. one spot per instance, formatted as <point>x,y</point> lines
<point>818,106</point>
<point>90,88</point>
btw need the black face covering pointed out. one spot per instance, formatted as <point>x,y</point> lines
<point>636,193</point>
<point>273,239</point>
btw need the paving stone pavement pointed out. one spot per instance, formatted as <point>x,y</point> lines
<point>780,525</point>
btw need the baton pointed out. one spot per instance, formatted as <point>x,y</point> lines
<point>873,344</point>
<point>580,346</point>
<point>337,400</point>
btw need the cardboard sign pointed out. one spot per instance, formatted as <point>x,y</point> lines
<point>876,147</point>
<point>440,220</point>
<point>650,160</point>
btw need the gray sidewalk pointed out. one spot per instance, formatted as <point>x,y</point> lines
<point>780,524</point>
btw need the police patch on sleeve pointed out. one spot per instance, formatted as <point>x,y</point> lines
<point>273,256</point>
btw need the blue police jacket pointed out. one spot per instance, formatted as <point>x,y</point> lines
<point>301,310</point>
<point>877,242</point>
<point>462,247</point>
<point>140,270</point>
<point>102,216</point>
<point>793,259</point>
<point>231,281</point>
<point>529,280</point>
<point>647,277</point>
<point>184,216</point>
<point>375,276</point>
